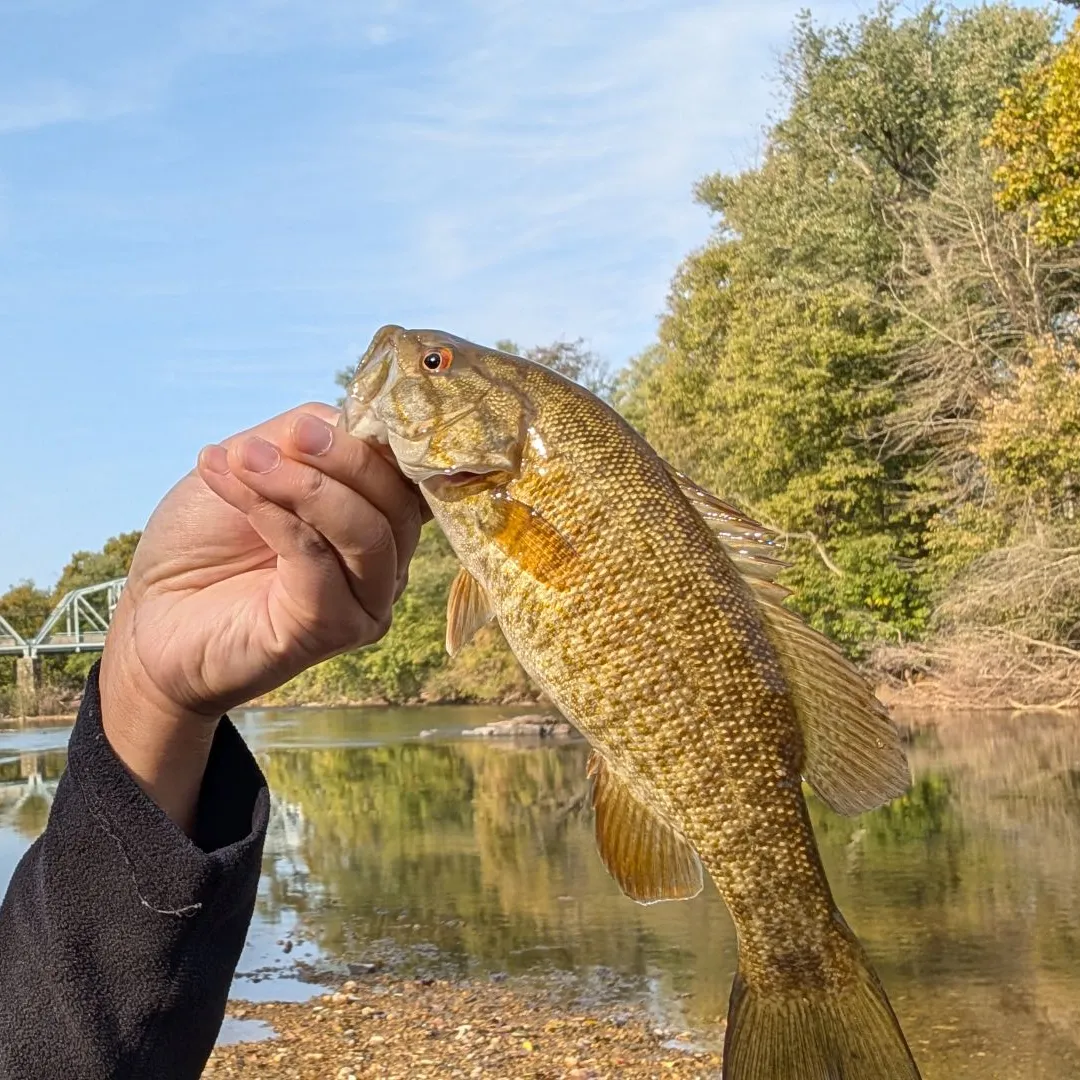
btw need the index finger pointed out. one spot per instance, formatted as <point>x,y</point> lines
<point>274,428</point>
<point>309,435</point>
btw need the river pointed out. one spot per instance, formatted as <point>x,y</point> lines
<point>397,842</point>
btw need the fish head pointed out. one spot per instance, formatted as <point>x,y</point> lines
<point>454,414</point>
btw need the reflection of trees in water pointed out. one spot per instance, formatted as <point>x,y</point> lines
<point>477,843</point>
<point>970,885</point>
<point>969,880</point>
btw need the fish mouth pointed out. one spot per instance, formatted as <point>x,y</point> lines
<point>361,421</point>
<point>465,476</point>
<point>450,484</point>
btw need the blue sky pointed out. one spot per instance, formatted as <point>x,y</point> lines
<point>207,208</point>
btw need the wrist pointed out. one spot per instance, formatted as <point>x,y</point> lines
<point>164,746</point>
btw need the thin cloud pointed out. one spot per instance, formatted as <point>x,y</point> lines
<point>552,169</point>
<point>34,107</point>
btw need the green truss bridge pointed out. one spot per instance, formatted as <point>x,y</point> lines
<point>77,624</point>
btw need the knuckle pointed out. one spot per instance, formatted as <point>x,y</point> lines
<point>380,626</point>
<point>379,537</point>
<point>346,634</point>
<point>411,520</point>
<point>309,542</point>
<point>312,484</point>
<point>361,457</point>
<point>362,627</point>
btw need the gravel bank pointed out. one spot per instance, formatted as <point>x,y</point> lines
<point>429,1029</point>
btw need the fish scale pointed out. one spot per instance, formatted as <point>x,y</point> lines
<point>704,701</point>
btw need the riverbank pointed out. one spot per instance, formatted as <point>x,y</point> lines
<point>919,705</point>
<point>412,1030</point>
<point>17,722</point>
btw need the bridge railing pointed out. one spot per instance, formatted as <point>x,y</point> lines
<point>11,642</point>
<point>78,623</point>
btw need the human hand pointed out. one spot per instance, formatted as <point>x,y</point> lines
<point>288,544</point>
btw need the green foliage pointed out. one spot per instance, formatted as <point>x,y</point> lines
<point>796,360</point>
<point>26,607</point>
<point>776,372</point>
<point>1030,440</point>
<point>93,567</point>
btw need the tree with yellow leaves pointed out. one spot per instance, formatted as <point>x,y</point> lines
<point>1038,131</point>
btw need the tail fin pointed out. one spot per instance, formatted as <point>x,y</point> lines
<point>848,1033</point>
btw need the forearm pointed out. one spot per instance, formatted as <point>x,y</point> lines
<point>119,935</point>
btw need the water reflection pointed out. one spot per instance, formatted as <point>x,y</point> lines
<point>436,854</point>
<point>27,783</point>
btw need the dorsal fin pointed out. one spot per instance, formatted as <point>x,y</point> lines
<point>750,545</point>
<point>648,859</point>
<point>854,758</point>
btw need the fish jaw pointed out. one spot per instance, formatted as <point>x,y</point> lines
<point>454,427</point>
<point>362,422</point>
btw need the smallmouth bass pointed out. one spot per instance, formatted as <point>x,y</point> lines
<point>645,607</point>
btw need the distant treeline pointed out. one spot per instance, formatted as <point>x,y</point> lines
<point>877,354</point>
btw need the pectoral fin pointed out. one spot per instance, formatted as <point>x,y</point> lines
<point>854,758</point>
<point>532,542</point>
<point>467,610</point>
<point>648,859</point>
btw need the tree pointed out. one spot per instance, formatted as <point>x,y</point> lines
<point>26,607</point>
<point>93,567</point>
<point>781,359</point>
<point>1038,132</point>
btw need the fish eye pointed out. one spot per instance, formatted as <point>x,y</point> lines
<point>437,359</point>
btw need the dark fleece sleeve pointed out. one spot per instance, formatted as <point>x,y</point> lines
<point>119,935</point>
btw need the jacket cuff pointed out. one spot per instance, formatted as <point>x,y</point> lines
<point>172,873</point>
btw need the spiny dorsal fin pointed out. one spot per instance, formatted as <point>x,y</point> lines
<point>854,758</point>
<point>648,859</point>
<point>749,544</point>
<point>467,610</point>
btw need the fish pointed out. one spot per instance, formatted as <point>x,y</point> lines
<point>647,609</point>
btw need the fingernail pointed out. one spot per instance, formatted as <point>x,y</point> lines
<point>312,435</point>
<point>259,456</point>
<point>215,459</point>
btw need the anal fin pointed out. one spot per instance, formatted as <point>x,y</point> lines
<point>644,854</point>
